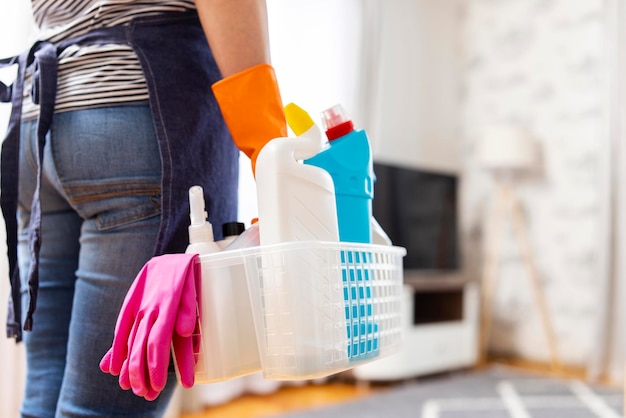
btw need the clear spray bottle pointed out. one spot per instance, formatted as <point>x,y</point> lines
<point>201,241</point>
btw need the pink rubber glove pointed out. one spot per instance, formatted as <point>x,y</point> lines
<point>186,340</point>
<point>159,312</point>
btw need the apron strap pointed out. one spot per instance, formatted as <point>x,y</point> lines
<point>9,187</point>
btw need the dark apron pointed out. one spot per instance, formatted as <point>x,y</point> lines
<point>194,142</point>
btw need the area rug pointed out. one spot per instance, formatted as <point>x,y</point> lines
<point>497,392</point>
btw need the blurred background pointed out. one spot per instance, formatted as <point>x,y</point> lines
<point>508,111</point>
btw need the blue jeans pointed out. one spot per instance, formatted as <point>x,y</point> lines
<point>100,197</point>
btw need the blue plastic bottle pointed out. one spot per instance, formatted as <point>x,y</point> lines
<point>348,159</point>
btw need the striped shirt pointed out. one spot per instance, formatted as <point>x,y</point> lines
<point>99,75</point>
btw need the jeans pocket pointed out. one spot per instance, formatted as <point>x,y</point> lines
<point>116,203</point>
<point>143,208</point>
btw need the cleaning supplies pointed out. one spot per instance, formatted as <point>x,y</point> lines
<point>248,238</point>
<point>230,232</point>
<point>228,347</point>
<point>303,126</point>
<point>221,392</point>
<point>348,159</point>
<point>201,239</point>
<point>296,202</point>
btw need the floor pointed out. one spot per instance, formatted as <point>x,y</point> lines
<point>290,398</point>
<point>286,399</point>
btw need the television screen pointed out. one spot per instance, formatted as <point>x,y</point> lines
<point>418,210</point>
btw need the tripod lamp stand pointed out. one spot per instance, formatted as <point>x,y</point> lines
<point>509,154</point>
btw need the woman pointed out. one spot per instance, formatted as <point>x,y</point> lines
<point>113,120</point>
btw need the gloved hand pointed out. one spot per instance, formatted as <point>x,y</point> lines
<point>252,108</point>
<point>158,313</point>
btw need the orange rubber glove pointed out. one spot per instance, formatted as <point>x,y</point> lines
<point>252,108</point>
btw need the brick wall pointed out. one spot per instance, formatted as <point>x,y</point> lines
<point>539,64</point>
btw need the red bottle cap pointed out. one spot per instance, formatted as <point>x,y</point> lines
<point>336,122</point>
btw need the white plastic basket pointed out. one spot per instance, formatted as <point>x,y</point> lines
<point>322,307</point>
<point>316,308</point>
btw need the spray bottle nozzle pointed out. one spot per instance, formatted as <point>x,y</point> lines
<point>199,229</point>
<point>197,212</point>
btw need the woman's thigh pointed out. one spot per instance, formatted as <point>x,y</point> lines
<point>105,163</point>
<point>46,344</point>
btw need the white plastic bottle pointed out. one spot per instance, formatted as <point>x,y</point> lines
<point>379,236</point>
<point>221,392</point>
<point>226,324</point>
<point>230,231</point>
<point>296,202</point>
<point>201,240</point>
<point>248,238</point>
<point>348,160</point>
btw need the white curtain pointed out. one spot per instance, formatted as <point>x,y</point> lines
<point>410,102</point>
<point>610,357</point>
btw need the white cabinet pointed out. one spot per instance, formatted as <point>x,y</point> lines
<point>440,330</point>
